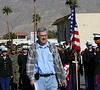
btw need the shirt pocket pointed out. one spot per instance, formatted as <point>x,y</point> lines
<point>50,57</point>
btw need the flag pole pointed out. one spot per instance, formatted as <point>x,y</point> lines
<point>76,64</point>
<point>34,18</point>
<point>74,46</point>
<point>76,72</point>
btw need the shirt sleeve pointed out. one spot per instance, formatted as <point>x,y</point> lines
<point>30,64</point>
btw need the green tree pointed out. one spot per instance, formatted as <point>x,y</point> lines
<point>70,3</point>
<point>38,19</point>
<point>52,34</point>
<point>6,10</point>
<point>12,36</point>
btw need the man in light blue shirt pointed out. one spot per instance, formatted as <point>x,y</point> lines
<point>44,62</point>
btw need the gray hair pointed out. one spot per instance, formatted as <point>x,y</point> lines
<point>42,29</point>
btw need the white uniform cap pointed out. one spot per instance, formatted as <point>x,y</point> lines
<point>28,47</point>
<point>25,47</point>
<point>4,49</point>
<point>67,47</point>
<point>88,43</point>
<point>94,46</point>
<point>96,35</point>
<point>2,46</point>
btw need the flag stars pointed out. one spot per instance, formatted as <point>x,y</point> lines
<point>71,26</point>
<point>72,14</point>
<point>71,22</point>
<point>71,18</point>
<point>72,11</point>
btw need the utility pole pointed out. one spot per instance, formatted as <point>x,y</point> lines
<point>34,18</point>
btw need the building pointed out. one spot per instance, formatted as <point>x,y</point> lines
<point>21,35</point>
<point>88,23</point>
<point>63,26</point>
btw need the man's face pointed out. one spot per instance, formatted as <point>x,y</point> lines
<point>4,53</point>
<point>13,52</point>
<point>90,47</point>
<point>25,51</point>
<point>97,41</point>
<point>42,38</point>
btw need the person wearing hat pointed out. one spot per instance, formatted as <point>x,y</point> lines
<point>1,49</point>
<point>97,63</point>
<point>88,60</point>
<point>14,46</point>
<point>19,48</point>
<point>15,80</point>
<point>22,59</point>
<point>6,71</point>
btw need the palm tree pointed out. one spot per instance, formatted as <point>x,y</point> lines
<point>70,3</point>
<point>38,19</point>
<point>12,36</point>
<point>6,10</point>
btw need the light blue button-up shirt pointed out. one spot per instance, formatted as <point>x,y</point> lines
<point>44,63</point>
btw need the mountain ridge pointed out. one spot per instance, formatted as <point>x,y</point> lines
<point>20,20</point>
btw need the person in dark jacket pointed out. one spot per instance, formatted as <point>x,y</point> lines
<point>88,59</point>
<point>6,71</point>
<point>23,59</point>
<point>20,69</point>
<point>97,63</point>
<point>72,72</point>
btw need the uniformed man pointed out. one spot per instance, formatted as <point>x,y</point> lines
<point>97,63</point>
<point>19,60</point>
<point>9,46</point>
<point>15,79</point>
<point>88,59</point>
<point>1,49</point>
<point>67,65</point>
<point>22,59</point>
<point>61,53</point>
<point>6,71</point>
<point>25,78</point>
<point>72,84</point>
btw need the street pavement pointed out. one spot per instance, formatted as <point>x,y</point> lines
<point>82,82</point>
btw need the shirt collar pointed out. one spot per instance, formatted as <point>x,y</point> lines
<point>39,46</point>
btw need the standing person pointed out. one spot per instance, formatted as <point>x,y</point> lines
<point>15,80</point>
<point>66,67</point>
<point>62,54</point>
<point>44,64</point>
<point>19,60</point>
<point>88,58</point>
<point>72,83</point>
<point>97,63</point>
<point>25,78</point>
<point>6,71</point>
<point>85,65</point>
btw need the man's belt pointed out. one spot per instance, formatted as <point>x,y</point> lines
<point>46,75</point>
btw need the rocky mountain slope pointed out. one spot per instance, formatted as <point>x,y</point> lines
<point>20,20</point>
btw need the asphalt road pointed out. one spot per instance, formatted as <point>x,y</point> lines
<point>82,82</point>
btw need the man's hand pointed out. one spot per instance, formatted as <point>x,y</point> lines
<point>32,82</point>
<point>11,76</point>
<point>64,85</point>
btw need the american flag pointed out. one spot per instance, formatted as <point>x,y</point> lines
<point>74,34</point>
<point>66,68</point>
